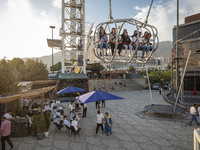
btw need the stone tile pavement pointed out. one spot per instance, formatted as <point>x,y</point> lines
<point>132,130</point>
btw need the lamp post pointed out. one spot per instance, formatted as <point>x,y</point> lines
<point>52,27</point>
<point>177,49</point>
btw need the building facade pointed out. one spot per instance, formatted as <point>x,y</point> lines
<point>189,39</point>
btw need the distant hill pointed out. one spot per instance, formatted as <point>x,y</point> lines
<point>48,59</point>
<point>164,50</point>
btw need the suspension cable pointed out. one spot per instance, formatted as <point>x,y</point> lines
<point>147,16</point>
<point>110,14</point>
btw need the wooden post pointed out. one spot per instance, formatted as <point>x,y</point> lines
<point>42,104</point>
<point>55,94</point>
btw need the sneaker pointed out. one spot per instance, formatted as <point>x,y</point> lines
<point>190,124</point>
<point>106,134</point>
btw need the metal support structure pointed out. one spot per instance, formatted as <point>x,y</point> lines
<point>129,21</point>
<point>177,50</point>
<point>84,45</point>
<point>149,83</point>
<point>182,79</point>
<point>63,37</point>
<point>73,33</point>
<point>52,27</point>
<point>172,69</point>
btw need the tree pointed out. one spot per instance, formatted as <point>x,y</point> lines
<point>131,69</point>
<point>161,77</point>
<point>98,65</point>
<point>8,80</point>
<point>35,70</point>
<point>168,67</point>
<point>101,67</point>
<point>56,67</point>
<point>17,65</point>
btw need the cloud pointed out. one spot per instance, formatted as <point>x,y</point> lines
<point>57,3</point>
<point>163,16</point>
<point>24,30</point>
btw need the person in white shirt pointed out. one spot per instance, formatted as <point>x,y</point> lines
<point>100,119</point>
<point>193,112</point>
<point>71,107</point>
<point>72,114</point>
<point>8,115</point>
<point>46,107</point>
<point>76,104</point>
<point>136,40</point>
<point>66,122</point>
<point>26,104</point>
<point>75,124</point>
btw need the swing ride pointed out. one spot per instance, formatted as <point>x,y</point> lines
<point>119,24</point>
<point>139,27</point>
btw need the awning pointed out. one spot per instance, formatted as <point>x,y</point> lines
<point>73,76</point>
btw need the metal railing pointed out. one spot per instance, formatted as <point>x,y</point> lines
<point>196,139</point>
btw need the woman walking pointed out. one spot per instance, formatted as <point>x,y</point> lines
<point>108,124</point>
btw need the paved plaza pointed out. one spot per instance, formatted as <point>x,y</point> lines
<point>132,129</point>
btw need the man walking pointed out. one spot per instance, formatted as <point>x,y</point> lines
<point>100,119</point>
<point>84,110</point>
<point>193,112</point>
<point>103,104</point>
<point>5,132</point>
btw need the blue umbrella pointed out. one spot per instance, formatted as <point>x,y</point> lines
<point>70,89</point>
<point>97,95</point>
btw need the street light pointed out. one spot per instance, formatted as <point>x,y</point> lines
<point>52,27</point>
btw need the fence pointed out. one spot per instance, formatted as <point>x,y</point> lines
<point>196,139</point>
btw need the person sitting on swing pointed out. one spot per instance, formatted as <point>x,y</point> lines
<point>112,39</point>
<point>103,42</point>
<point>126,42</point>
<point>136,40</point>
<point>145,47</point>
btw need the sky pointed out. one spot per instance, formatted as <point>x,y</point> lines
<point>24,24</point>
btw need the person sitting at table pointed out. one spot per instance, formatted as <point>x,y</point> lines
<point>8,115</point>
<point>75,124</point>
<point>46,107</point>
<point>66,122</point>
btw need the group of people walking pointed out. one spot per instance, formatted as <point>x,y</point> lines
<point>107,121</point>
<point>124,42</point>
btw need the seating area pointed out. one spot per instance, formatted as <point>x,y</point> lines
<point>128,45</point>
